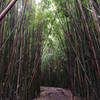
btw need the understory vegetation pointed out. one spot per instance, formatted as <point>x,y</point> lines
<point>50,43</point>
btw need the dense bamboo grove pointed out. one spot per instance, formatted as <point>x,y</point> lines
<point>49,43</point>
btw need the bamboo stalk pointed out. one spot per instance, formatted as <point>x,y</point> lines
<point>19,70</point>
<point>5,11</point>
<point>88,37</point>
<point>95,17</point>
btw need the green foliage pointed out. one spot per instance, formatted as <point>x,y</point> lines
<point>52,35</point>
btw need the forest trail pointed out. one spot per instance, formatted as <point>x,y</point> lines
<point>51,93</point>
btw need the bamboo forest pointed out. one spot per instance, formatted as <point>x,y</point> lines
<point>49,49</point>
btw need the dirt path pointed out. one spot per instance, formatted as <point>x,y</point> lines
<point>51,93</point>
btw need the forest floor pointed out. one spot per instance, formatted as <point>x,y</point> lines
<point>51,93</point>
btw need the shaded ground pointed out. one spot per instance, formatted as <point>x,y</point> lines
<point>51,93</point>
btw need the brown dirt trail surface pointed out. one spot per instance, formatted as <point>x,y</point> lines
<point>51,93</point>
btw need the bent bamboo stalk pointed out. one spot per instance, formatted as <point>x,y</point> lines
<point>5,11</point>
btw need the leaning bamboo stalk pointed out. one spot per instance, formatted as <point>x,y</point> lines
<point>5,11</point>
<point>95,17</point>
<point>1,38</point>
<point>88,36</point>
